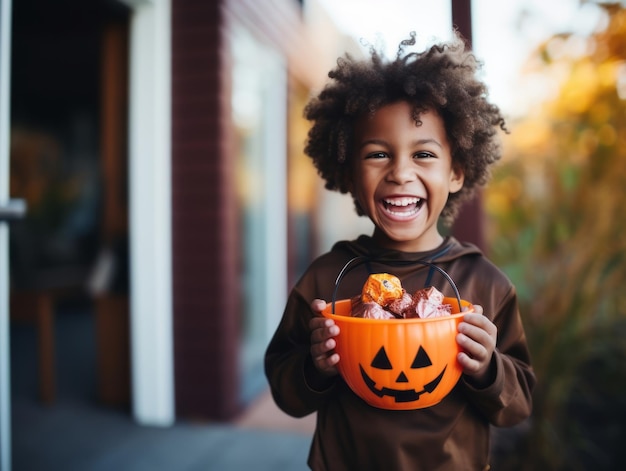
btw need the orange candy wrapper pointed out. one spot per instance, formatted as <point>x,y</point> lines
<point>381,288</point>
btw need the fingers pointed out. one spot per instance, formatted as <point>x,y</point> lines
<point>477,338</point>
<point>323,329</point>
<point>478,374</point>
<point>323,343</point>
<point>479,329</point>
<point>318,305</point>
<point>478,309</point>
<point>327,364</point>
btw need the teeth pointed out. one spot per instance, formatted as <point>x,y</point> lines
<point>402,201</point>
<point>408,213</point>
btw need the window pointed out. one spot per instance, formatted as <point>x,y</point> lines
<point>259,109</point>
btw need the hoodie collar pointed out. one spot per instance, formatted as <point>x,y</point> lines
<point>365,246</point>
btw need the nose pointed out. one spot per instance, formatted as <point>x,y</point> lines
<point>402,378</point>
<point>401,171</point>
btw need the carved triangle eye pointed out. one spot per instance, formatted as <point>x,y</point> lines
<point>421,359</point>
<point>381,360</point>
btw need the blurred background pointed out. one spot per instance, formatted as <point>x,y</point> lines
<point>159,147</point>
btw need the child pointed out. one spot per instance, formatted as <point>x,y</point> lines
<point>409,139</point>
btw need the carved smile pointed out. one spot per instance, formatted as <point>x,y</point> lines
<point>401,395</point>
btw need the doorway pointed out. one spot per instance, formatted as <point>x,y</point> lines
<point>69,257</point>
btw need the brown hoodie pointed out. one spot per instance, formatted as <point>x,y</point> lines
<point>452,435</point>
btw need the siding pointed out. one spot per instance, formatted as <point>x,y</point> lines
<point>203,216</point>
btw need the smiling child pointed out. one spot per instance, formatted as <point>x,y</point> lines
<point>409,139</point>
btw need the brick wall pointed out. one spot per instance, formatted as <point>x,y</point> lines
<point>206,263</point>
<point>203,216</point>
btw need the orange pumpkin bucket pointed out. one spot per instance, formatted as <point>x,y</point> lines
<point>399,364</point>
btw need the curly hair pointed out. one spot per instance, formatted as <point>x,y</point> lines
<point>442,78</point>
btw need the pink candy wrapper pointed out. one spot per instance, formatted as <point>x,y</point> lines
<point>424,303</point>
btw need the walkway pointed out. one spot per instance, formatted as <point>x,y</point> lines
<point>77,433</point>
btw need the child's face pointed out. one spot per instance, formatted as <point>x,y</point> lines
<point>402,176</point>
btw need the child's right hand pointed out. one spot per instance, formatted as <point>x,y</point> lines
<point>323,330</point>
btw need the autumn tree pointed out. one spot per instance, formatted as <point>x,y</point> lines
<point>558,210</point>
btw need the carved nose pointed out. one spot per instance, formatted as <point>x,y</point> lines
<point>402,378</point>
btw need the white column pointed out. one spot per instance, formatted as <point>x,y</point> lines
<point>150,213</point>
<point>5,363</point>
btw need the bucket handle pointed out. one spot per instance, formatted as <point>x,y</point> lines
<point>356,261</point>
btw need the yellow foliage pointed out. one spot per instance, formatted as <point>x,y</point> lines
<point>501,198</point>
<point>607,136</point>
<point>607,74</point>
<point>530,135</point>
<point>579,92</point>
<point>558,204</point>
<point>587,143</point>
<point>496,202</point>
<point>600,112</point>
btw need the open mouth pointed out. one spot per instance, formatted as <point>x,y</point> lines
<point>404,207</point>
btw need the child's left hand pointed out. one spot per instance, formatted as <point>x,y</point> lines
<point>477,338</point>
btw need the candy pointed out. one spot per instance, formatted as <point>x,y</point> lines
<point>400,306</point>
<point>384,298</point>
<point>381,288</point>
<point>428,303</point>
<point>369,310</point>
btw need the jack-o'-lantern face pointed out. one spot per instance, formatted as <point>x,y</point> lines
<point>401,372</point>
<point>398,364</point>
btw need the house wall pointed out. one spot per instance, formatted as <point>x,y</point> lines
<point>204,231</point>
<point>206,228</point>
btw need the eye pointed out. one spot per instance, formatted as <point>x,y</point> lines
<point>424,155</point>
<point>376,155</point>
<point>421,360</point>
<point>381,360</point>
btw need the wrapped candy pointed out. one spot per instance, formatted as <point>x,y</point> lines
<point>381,288</point>
<point>400,306</point>
<point>370,310</point>
<point>383,297</point>
<point>428,302</point>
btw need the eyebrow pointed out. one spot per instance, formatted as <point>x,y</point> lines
<point>415,143</point>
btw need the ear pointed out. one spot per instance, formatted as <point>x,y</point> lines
<point>457,177</point>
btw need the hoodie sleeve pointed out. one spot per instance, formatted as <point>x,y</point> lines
<point>288,363</point>
<point>508,400</point>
